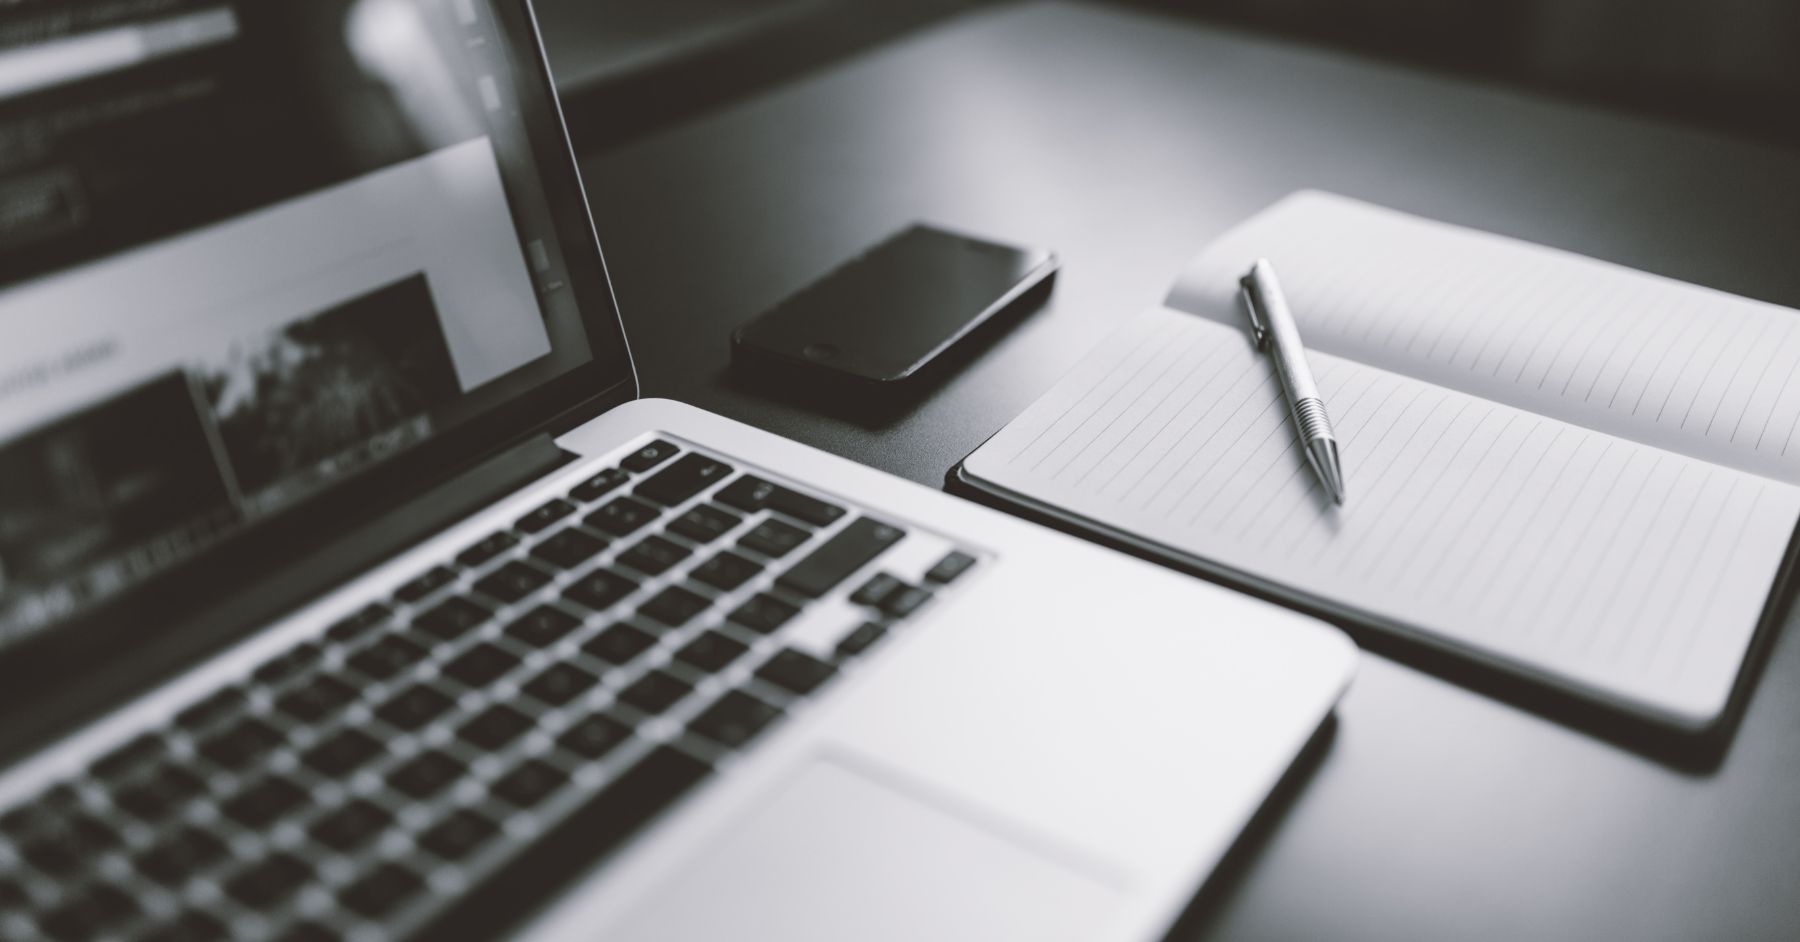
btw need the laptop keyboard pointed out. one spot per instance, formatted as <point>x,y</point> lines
<point>432,763</point>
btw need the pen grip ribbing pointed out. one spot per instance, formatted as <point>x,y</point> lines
<point>1310,417</point>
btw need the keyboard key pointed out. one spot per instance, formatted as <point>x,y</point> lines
<point>316,700</point>
<point>649,456</point>
<point>128,757</point>
<point>23,819</point>
<point>880,586</point>
<point>455,617</point>
<point>711,651</point>
<point>705,523</point>
<point>726,571</point>
<point>683,479</point>
<point>97,909</point>
<point>622,516</point>
<point>542,626</point>
<point>663,775</point>
<point>599,824</point>
<point>381,891</point>
<point>486,548</point>
<point>431,581</point>
<point>763,613</point>
<point>561,683</point>
<point>288,664</point>
<point>748,493</point>
<point>734,719</point>
<point>342,753</point>
<point>795,671</point>
<point>261,803</point>
<point>530,783</point>
<point>600,589</point>
<point>674,606</point>
<point>654,555</point>
<point>426,774</point>
<point>480,665</point>
<point>774,538</point>
<point>803,507</point>
<point>751,494</point>
<point>414,707</point>
<point>950,567</point>
<point>847,551</point>
<point>190,926</point>
<point>497,726</point>
<point>568,548</point>
<point>351,826</point>
<point>619,644</point>
<point>458,835</point>
<point>386,657</point>
<point>600,485</point>
<point>211,709</point>
<point>268,881</point>
<point>159,792</point>
<point>63,844</point>
<point>307,932</point>
<point>905,600</point>
<point>512,581</point>
<point>545,515</point>
<point>368,619</point>
<point>859,640</point>
<point>60,798</point>
<point>655,692</point>
<point>179,856</point>
<point>595,736</point>
<point>243,742</point>
<point>46,807</point>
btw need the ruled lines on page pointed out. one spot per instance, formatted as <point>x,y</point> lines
<point>1623,568</point>
<point>1669,364</point>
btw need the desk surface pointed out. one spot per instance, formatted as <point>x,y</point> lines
<point>1125,142</point>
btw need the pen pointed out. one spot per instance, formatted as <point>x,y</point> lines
<point>1272,325</point>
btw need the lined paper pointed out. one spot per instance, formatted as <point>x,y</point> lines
<point>1632,572</point>
<point>1669,364</point>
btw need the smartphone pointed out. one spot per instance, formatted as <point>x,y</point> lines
<point>885,315</point>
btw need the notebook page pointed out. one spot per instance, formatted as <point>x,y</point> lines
<point>1689,369</point>
<point>1635,573</point>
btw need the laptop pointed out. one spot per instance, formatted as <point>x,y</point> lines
<point>348,589</point>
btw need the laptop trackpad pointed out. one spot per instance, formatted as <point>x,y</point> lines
<point>840,852</point>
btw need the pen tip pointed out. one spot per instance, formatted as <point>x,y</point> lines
<point>1324,456</point>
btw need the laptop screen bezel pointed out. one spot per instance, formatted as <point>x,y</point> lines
<point>50,682</point>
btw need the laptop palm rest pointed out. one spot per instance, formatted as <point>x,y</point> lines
<point>827,820</point>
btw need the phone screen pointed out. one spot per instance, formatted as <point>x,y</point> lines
<point>887,312</point>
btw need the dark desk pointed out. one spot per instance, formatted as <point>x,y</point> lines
<point>1125,143</point>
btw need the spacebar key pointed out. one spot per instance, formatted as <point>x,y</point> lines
<point>843,554</point>
<point>570,847</point>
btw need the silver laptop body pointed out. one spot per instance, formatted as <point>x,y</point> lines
<point>349,590</point>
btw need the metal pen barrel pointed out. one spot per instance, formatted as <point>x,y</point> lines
<point>1275,331</point>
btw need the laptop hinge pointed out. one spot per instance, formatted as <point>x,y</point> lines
<point>467,493</point>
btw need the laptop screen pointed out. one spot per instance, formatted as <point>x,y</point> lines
<point>249,251</point>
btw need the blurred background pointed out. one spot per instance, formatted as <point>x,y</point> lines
<point>1733,65</point>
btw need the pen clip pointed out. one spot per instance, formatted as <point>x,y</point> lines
<point>1259,329</point>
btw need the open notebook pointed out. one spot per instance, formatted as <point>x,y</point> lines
<point>1566,467</point>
